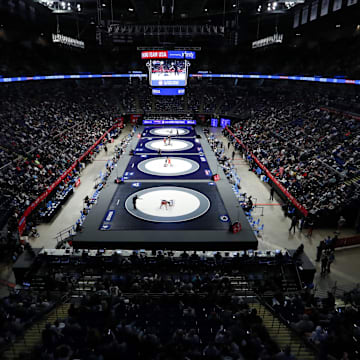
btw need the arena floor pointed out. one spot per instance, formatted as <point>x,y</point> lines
<point>189,206</point>
<point>275,235</point>
<point>171,210</point>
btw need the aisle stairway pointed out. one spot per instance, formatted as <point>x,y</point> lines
<point>355,180</point>
<point>282,335</point>
<point>32,336</point>
<point>153,104</point>
<point>218,106</point>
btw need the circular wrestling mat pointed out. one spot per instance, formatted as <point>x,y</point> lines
<point>168,204</point>
<point>169,131</point>
<point>160,167</point>
<point>175,145</point>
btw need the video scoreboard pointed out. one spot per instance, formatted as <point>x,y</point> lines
<point>168,68</point>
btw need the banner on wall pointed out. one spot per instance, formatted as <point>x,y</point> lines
<point>119,121</point>
<point>324,7</point>
<point>351,2</point>
<point>304,15</point>
<point>314,9</point>
<point>296,19</point>
<point>337,5</point>
<point>134,118</point>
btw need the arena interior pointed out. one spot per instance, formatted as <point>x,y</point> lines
<point>180,180</point>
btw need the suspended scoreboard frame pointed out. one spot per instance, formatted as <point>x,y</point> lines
<point>158,55</point>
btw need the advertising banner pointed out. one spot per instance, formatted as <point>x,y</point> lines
<point>314,9</point>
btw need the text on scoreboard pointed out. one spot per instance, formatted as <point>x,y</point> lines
<point>168,54</point>
<point>168,91</point>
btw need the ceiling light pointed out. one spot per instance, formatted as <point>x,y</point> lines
<point>205,10</point>
<point>338,25</point>
<point>131,9</point>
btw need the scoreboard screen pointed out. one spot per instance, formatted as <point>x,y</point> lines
<point>168,68</point>
<point>168,73</point>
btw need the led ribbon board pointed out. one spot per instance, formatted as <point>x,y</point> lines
<point>227,76</point>
<point>279,77</point>
<point>64,77</point>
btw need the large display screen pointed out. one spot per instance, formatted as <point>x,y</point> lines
<point>224,122</point>
<point>168,72</point>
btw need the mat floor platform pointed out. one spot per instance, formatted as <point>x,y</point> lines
<point>171,214</point>
<point>194,218</point>
<point>173,131</point>
<point>154,167</point>
<point>176,145</point>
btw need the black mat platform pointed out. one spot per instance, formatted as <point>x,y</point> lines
<point>121,219</point>
<point>207,232</point>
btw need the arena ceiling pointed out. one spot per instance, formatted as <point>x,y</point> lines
<point>145,11</point>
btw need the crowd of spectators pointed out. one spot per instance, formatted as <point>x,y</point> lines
<point>225,162</point>
<point>18,311</point>
<point>143,327</point>
<point>333,330</point>
<point>314,154</point>
<point>43,134</point>
<point>183,307</point>
<point>195,272</point>
<point>169,104</point>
